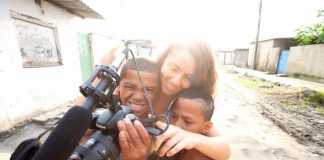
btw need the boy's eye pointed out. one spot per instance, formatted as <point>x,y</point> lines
<point>128,87</point>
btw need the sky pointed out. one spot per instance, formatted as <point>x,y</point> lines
<point>227,24</point>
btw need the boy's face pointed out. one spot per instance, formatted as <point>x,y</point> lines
<point>131,91</point>
<point>188,115</point>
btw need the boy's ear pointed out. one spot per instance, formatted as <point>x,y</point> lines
<point>207,126</point>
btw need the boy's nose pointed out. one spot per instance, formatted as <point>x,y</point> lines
<point>137,95</point>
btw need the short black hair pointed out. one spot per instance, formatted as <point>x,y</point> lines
<point>199,94</point>
<point>143,64</point>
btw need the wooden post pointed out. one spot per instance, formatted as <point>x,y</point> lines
<point>257,37</point>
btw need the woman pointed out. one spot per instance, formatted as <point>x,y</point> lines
<point>182,65</point>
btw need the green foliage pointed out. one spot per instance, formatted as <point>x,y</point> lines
<point>320,13</point>
<point>310,34</point>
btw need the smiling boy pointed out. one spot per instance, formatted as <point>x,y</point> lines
<point>130,90</point>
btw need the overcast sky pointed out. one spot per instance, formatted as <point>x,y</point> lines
<point>227,24</point>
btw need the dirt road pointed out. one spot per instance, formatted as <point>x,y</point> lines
<point>252,136</point>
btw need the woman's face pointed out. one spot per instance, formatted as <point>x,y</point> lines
<point>177,71</point>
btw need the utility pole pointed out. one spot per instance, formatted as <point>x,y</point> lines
<point>257,37</point>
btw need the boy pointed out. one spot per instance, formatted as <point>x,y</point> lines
<point>192,111</point>
<point>130,89</point>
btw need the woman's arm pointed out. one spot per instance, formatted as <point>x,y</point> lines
<point>176,139</point>
<point>213,147</point>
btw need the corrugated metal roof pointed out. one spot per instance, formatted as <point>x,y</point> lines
<point>77,7</point>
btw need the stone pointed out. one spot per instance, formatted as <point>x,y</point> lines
<point>308,92</point>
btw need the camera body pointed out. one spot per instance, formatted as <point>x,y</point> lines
<point>103,143</point>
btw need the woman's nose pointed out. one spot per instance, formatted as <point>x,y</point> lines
<point>176,80</point>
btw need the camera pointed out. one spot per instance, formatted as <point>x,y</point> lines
<point>103,143</point>
<point>100,111</point>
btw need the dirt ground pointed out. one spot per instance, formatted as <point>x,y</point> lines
<point>251,134</point>
<point>238,115</point>
<point>298,111</point>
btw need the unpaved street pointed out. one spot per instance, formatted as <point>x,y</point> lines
<point>251,135</point>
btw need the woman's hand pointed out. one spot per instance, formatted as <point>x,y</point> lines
<point>174,140</point>
<point>134,140</point>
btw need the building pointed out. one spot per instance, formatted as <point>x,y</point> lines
<point>39,56</point>
<point>241,56</point>
<point>268,53</point>
<point>237,57</point>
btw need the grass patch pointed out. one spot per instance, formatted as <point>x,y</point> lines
<point>291,98</point>
<point>320,110</point>
<point>251,83</point>
<point>315,97</point>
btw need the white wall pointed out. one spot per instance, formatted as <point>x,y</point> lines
<point>26,92</point>
<point>306,61</point>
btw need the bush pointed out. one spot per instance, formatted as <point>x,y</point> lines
<point>310,34</point>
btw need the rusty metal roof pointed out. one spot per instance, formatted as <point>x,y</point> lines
<point>77,7</point>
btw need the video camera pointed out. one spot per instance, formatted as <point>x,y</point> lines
<point>63,141</point>
<point>103,143</point>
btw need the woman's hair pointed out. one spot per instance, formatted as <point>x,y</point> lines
<point>205,73</point>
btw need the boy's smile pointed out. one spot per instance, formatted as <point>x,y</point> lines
<point>132,94</point>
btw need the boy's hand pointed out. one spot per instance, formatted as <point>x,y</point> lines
<point>134,140</point>
<point>174,140</point>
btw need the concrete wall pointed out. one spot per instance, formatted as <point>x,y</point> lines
<point>225,57</point>
<point>220,56</point>
<point>26,92</point>
<point>241,57</point>
<point>229,58</point>
<point>306,61</point>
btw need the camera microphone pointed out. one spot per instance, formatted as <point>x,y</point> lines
<point>65,136</point>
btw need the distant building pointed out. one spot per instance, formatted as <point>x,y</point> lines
<point>241,57</point>
<point>237,57</point>
<point>268,53</point>
<point>225,57</point>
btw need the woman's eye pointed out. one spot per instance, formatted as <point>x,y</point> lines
<point>188,122</point>
<point>172,116</point>
<point>150,90</point>
<point>174,68</point>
